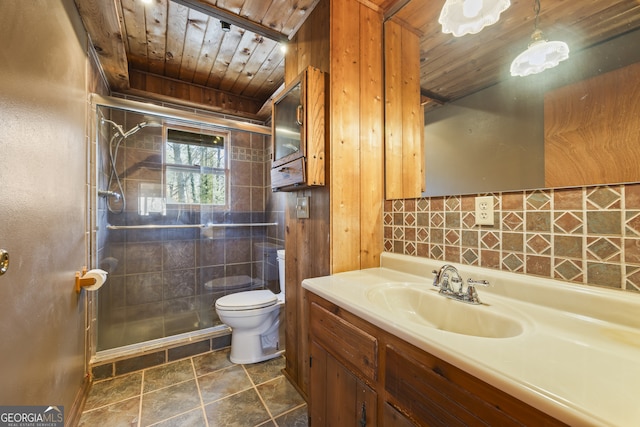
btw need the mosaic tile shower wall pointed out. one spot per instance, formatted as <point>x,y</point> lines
<point>588,235</point>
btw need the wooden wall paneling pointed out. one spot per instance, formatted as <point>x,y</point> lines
<point>304,262</point>
<point>313,41</point>
<point>345,135</point>
<point>332,239</point>
<point>404,121</point>
<point>412,116</point>
<point>393,112</point>
<point>371,137</point>
<point>306,240</point>
<point>307,255</point>
<point>317,257</point>
<point>294,253</point>
<point>291,60</point>
<point>591,130</point>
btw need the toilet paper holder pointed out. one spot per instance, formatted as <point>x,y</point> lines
<point>82,282</point>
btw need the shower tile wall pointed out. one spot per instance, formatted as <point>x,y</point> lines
<point>165,282</point>
<point>587,235</point>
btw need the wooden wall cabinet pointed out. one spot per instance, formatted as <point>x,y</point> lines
<point>355,365</point>
<point>298,143</point>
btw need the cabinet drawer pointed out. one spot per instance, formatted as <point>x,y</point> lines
<point>350,345</point>
<point>438,394</point>
<point>289,175</point>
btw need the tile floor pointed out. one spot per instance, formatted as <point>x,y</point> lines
<point>206,390</point>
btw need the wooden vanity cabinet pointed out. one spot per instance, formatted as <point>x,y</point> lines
<point>361,375</point>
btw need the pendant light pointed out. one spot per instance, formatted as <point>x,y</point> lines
<point>460,17</point>
<point>541,54</point>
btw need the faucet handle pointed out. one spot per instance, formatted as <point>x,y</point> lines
<point>472,294</point>
<point>436,278</point>
<point>472,282</point>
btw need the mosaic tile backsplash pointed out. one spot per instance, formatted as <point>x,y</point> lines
<point>588,235</point>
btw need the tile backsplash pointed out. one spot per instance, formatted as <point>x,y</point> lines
<point>588,235</point>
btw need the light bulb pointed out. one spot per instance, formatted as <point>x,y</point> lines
<point>539,56</point>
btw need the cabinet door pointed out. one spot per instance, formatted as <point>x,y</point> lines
<point>337,396</point>
<point>393,418</point>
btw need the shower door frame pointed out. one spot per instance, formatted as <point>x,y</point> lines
<point>197,119</point>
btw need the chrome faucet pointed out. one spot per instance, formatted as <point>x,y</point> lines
<point>451,285</point>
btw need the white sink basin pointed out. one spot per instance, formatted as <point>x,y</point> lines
<point>423,305</point>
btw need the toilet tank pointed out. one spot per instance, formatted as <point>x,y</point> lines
<point>265,258</point>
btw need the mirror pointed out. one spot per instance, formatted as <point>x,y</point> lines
<point>486,131</point>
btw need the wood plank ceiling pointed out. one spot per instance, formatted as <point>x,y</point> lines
<point>176,50</point>
<point>452,67</point>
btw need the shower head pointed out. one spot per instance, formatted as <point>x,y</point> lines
<point>150,123</point>
<point>136,128</point>
<point>153,123</point>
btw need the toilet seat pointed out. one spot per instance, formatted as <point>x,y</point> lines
<point>248,300</point>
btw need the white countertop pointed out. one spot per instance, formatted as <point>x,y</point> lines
<point>578,358</point>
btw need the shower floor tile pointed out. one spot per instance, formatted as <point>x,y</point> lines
<point>206,390</point>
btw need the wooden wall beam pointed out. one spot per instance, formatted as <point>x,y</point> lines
<point>179,92</point>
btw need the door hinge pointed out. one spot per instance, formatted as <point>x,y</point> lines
<point>363,418</point>
<point>310,361</point>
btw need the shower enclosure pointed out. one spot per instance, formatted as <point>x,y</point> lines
<point>184,215</point>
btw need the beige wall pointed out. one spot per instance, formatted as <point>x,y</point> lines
<point>43,201</point>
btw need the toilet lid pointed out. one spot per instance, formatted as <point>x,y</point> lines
<point>248,300</point>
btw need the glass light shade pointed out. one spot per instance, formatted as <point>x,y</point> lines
<point>540,55</point>
<point>460,17</point>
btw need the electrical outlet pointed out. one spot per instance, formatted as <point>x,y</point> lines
<point>484,210</point>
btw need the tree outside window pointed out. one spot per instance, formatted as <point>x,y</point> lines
<point>195,168</point>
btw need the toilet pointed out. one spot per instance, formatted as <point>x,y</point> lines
<point>254,318</point>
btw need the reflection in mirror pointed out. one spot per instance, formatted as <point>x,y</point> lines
<point>496,139</point>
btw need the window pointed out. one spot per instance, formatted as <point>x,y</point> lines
<point>195,168</point>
